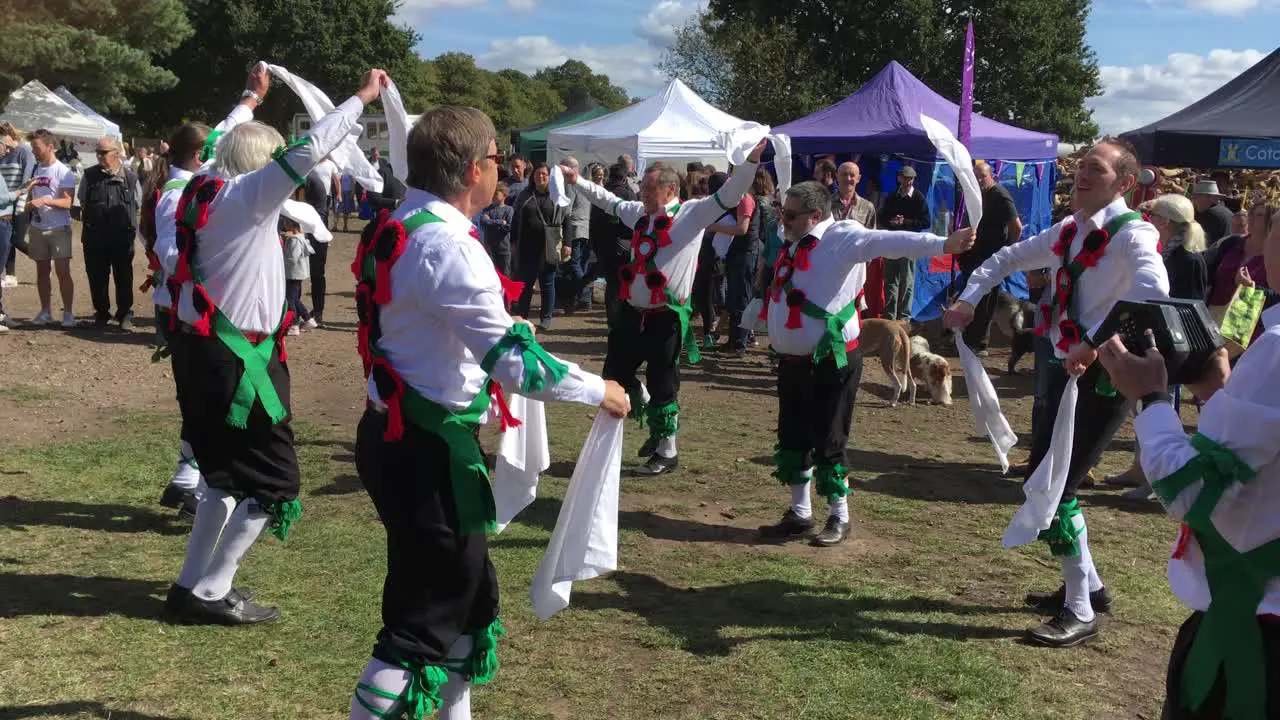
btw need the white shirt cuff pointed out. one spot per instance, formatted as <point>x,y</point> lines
<point>1158,418</point>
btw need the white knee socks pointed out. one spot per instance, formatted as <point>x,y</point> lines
<point>246,524</point>
<point>187,474</point>
<point>211,517</point>
<point>1076,572</point>
<point>667,447</point>
<point>393,679</point>
<point>840,508</point>
<point>800,496</point>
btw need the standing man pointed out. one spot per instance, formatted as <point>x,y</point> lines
<point>321,183</point>
<point>230,366</point>
<point>1103,253</point>
<point>653,321</point>
<point>579,239</point>
<point>1211,212</point>
<point>904,210</point>
<point>814,326</point>
<point>847,204</point>
<point>612,239</point>
<point>1000,227</point>
<point>52,189</point>
<point>517,182</point>
<point>438,345</point>
<point>109,198</point>
<point>825,172</point>
<point>17,167</point>
<point>628,164</point>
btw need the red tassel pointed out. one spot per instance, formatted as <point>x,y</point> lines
<point>794,316</point>
<point>1046,317</point>
<point>1069,335</point>
<point>627,276</point>
<point>1184,540</point>
<point>395,419</point>
<point>802,252</point>
<point>362,346</point>
<point>664,237</point>
<point>280,335</point>
<point>511,289</point>
<point>382,283</point>
<point>764,310</point>
<point>1065,237</point>
<point>504,410</point>
<point>204,305</point>
<point>153,261</point>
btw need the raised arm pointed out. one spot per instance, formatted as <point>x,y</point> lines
<point>704,211</point>
<point>1030,254</point>
<point>627,211</point>
<point>857,244</point>
<point>264,190</point>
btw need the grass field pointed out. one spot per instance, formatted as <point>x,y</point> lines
<point>917,616</point>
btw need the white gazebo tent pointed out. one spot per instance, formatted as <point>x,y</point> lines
<point>34,106</point>
<point>674,124</point>
<point>113,129</point>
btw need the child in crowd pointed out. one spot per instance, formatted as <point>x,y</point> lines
<point>495,226</point>
<point>297,268</point>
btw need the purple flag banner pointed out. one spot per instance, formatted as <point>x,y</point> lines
<point>965,133</point>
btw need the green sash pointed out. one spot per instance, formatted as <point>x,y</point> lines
<point>255,381</point>
<point>175,184</point>
<point>1228,636</point>
<point>832,340</point>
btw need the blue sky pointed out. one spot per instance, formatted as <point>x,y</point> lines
<point>1157,56</point>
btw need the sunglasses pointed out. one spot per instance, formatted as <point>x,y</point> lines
<point>100,152</point>
<point>793,214</point>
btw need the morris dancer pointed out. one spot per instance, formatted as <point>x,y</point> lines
<point>233,382</point>
<point>652,324</point>
<point>436,341</point>
<point>1224,485</point>
<point>812,310</point>
<point>1103,253</point>
<point>189,148</point>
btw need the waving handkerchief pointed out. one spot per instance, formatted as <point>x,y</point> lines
<point>307,218</point>
<point>986,404</point>
<point>1044,488</point>
<point>348,156</point>
<point>957,156</point>
<point>584,543</point>
<point>740,141</point>
<point>556,189</point>
<point>523,457</point>
<point>397,130</point>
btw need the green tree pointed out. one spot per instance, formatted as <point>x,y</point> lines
<point>517,100</point>
<point>330,43</point>
<point>461,81</point>
<point>575,82</point>
<point>103,51</point>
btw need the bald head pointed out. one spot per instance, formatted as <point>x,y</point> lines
<point>847,176</point>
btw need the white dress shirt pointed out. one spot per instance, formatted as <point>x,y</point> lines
<point>679,260</point>
<point>836,274</point>
<point>1245,417</point>
<point>239,249</point>
<point>1130,269</point>
<point>166,247</point>
<point>447,311</point>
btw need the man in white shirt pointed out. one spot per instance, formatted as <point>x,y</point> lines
<point>52,192</point>
<point>233,383</point>
<point>1224,485</point>
<point>439,347</point>
<point>652,324</point>
<point>812,312</point>
<point>1103,253</point>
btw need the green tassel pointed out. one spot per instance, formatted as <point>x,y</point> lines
<point>828,481</point>
<point>789,466</point>
<point>284,514</point>
<point>423,694</point>
<point>664,420</point>
<point>1062,534</point>
<point>482,664</point>
<point>639,408</point>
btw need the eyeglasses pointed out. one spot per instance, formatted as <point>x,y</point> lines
<point>497,158</point>
<point>100,152</point>
<point>793,214</point>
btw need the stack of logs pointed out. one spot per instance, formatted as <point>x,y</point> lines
<point>1240,183</point>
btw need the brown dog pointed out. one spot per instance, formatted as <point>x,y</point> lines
<point>931,370</point>
<point>889,339</point>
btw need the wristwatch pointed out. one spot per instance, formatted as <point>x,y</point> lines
<point>251,94</point>
<point>1153,398</point>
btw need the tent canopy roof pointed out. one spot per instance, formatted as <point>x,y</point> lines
<point>34,106</point>
<point>1248,107</point>
<point>675,123</point>
<point>565,117</point>
<point>883,116</point>
<point>113,129</point>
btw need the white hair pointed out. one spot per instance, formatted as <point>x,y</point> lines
<point>1180,212</point>
<point>246,148</point>
<point>570,162</point>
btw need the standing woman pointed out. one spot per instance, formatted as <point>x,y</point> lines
<point>1237,260</point>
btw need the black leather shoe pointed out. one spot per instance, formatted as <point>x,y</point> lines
<point>1063,631</point>
<point>234,609</point>
<point>649,447</point>
<point>176,602</point>
<point>658,465</point>
<point>187,510</point>
<point>791,525</point>
<point>1052,602</point>
<point>833,534</point>
<point>172,496</point>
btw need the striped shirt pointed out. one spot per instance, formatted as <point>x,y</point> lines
<point>16,168</point>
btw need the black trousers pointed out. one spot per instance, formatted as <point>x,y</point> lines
<point>740,272</point>
<point>318,261</point>
<point>815,406</point>
<point>439,584</point>
<point>171,338</point>
<point>105,257</point>
<point>1268,626</point>
<point>651,337</point>
<point>978,335</point>
<point>258,461</point>
<point>1097,419</point>
<point>17,241</point>
<point>706,294</point>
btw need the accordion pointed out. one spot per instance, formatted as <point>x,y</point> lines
<point>1185,333</point>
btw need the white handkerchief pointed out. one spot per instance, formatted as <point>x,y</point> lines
<point>307,218</point>
<point>397,130</point>
<point>751,316</point>
<point>523,457</point>
<point>986,404</point>
<point>1044,488</point>
<point>559,195</point>
<point>347,156</point>
<point>740,141</point>
<point>584,543</point>
<point>957,156</point>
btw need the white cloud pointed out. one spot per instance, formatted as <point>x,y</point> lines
<point>1134,96</point>
<point>632,66</point>
<point>660,24</point>
<point>1224,7</point>
<point>414,5</point>
<point>522,5</point>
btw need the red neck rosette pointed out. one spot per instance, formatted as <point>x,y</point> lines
<point>388,246</point>
<point>1095,246</point>
<point>662,227</point>
<point>1070,333</point>
<point>781,275</point>
<point>803,248</point>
